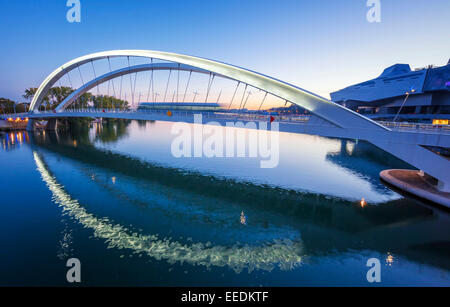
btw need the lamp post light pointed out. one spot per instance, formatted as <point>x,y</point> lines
<point>404,101</point>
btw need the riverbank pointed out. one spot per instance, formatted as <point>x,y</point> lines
<point>12,125</point>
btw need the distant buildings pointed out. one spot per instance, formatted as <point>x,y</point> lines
<point>180,106</point>
<point>422,95</point>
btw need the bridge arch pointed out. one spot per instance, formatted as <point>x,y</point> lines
<point>319,106</point>
<point>121,72</point>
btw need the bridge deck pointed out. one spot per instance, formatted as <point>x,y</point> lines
<point>423,134</point>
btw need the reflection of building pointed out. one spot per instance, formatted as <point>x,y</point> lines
<point>177,106</point>
<point>420,95</point>
<point>364,160</point>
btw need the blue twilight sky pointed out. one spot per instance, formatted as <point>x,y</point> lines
<point>318,45</point>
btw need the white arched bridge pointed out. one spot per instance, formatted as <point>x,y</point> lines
<point>418,147</point>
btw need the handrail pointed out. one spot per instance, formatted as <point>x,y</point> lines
<point>207,114</point>
<point>300,119</point>
<point>414,126</point>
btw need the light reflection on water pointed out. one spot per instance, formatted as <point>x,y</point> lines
<point>14,139</point>
<point>185,215</point>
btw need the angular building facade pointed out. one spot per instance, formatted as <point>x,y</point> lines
<point>401,94</point>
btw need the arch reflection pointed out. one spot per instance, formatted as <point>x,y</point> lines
<point>284,254</point>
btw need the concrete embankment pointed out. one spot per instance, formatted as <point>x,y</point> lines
<point>411,181</point>
<point>6,125</point>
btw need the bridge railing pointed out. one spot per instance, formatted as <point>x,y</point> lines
<point>14,115</point>
<point>415,126</point>
<point>206,114</point>
<point>291,118</point>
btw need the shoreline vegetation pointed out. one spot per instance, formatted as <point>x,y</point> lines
<point>55,96</point>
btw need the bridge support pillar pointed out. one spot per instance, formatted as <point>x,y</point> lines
<point>30,125</point>
<point>52,125</point>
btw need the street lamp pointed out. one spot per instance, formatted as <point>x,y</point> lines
<point>404,101</point>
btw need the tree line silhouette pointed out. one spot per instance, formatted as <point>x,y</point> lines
<point>56,95</point>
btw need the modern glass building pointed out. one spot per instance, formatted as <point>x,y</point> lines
<point>421,95</point>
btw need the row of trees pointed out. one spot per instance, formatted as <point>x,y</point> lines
<point>56,95</point>
<point>9,106</point>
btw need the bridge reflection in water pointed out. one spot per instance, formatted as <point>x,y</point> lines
<point>285,227</point>
<point>285,254</point>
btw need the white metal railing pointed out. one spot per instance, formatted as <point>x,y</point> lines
<point>300,119</point>
<point>415,126</point>
<point>14,115</point>
<point>206,114</point>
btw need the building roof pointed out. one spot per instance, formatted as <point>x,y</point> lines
<point>438,79</point>
<point>395,81</point>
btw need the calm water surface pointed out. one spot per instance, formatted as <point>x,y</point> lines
<point>113,196</point>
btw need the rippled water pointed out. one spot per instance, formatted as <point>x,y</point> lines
<point>113,196</point>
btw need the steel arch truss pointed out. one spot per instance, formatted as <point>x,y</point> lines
<point>319,106</point>
<point>121,72</point>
